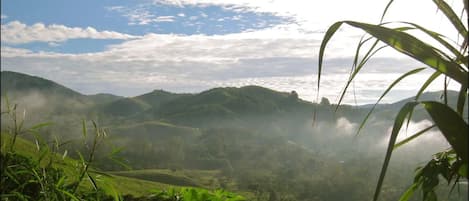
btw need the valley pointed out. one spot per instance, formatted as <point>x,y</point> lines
<point>254,141</point>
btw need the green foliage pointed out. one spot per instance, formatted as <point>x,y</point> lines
<point>23,178</point>
<point>450,61</point>
<point>194,194</point>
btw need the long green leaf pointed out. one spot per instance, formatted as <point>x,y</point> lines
<point>386,92</point>
<point>461,99</point>
<point>421,90</point>
<point>452,17</point>
<point>392,140</point>
<point>84,129</point>
<point>92,181</point>
<point>413,47</point>
<point>41,125</point>
<point>363,61</point>
<point>426,84</point>
<point>409,192</point>
<point>451,125</point>
<point>412,137</point>
<point>386,10</point>
<point>329,33</point>
<point>438,37</point>
<point>70,195</point>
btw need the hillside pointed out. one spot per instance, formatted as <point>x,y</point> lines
<point>248,139</point>
<point>14,83</point>
<point>124,184</point>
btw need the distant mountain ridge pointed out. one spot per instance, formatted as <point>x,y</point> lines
<point>14,82</point>
<point>213,108</point>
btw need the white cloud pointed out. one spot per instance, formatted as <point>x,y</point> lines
<point>115,72</point>
<point>16,32</point>
<point>313,15</point>
<point>204,15</point>
<point>164,19</point>
<point>430,139</point>
<point>141,15</point>
<point>3,16</point>
<point>282,57</point>
<point>13,52</point>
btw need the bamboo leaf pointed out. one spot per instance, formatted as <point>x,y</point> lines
<point>101,173</point>
<point>421,90</point>
<point>84,130</point>
<point>452,17</point>
<point>451,125</point>
<point>409,192</point>
<point>425,85</point>
<point>386,10</point>
<point>384,94</point>
<point>41,125</point>
<point>65,154</point>
<point>413,47</point>
<point>438,37</point>
<point>365,59</point>
<point>392,140</point>
<point>412,137</point>
<point>461,99</point>
<point>93,182</point>
<point>70,195</point>
<point>329,33</point>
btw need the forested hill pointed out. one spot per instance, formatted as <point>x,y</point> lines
<point>249,106</point>
<point>247,139</point>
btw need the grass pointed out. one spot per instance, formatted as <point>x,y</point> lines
<point>122,184</point>
<point>194,178</point>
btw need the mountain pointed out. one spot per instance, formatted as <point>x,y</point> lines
<point>249,139</point>
<point>104,98</point>
<point>224,104</point>
<point>218,107</point>
<point>126,107</point>
<point>14,83</point>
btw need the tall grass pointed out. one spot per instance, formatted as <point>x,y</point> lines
<point>41,178</point>
<point>450,61</point>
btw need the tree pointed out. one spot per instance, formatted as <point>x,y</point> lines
<point>293,96</point>
<point>325,101</point>
<point>450,61</point>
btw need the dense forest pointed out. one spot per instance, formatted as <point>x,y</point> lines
<point>256,142</point>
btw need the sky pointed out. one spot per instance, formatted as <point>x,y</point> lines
<point>131,47</point>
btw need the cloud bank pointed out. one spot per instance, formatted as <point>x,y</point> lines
<point>16,32</point>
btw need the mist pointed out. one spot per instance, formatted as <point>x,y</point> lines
<point>249,139</point>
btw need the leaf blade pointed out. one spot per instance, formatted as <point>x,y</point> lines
<point>451,125</point>
<point>413,47</point>
<point>398,121</point>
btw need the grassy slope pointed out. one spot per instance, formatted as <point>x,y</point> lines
<point>125,185</point>
<point>128,182</point>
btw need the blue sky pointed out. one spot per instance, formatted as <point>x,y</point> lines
<point>130,47</point>
<point>129,17</point>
